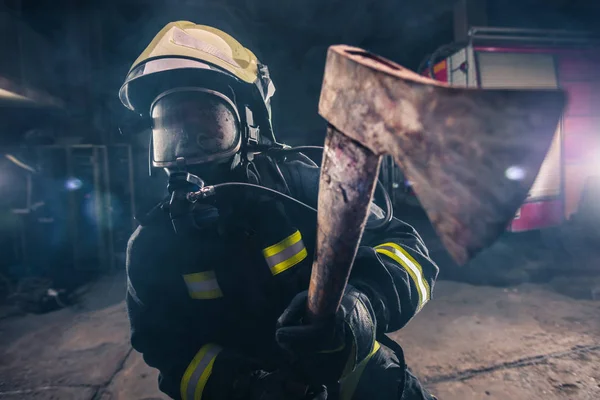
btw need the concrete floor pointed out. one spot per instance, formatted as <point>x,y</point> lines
<point>470,342</point>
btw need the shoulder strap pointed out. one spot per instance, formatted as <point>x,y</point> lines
<point>154,215</point>
<point>270,174</point>
<point>303,180</point>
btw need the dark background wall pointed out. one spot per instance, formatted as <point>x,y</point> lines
<point>95,41</point>
<point>79,52</point>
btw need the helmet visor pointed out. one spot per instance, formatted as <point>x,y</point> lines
<point>197,125</point>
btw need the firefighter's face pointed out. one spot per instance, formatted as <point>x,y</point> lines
<point>198,126</point>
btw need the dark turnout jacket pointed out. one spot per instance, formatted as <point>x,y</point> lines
<point>203,307</point>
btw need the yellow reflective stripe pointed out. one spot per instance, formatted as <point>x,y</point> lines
<point>284,244</point>
<point>285,254</point>
<point>349,384</point>
<point>412,267</point>
<point>207,295</point>
<point>289,263</point>
<point>349,367</point>
<point>338,349</point>
<point>203,285</point>
<point>199,276</point>
<point>410,272</point>
<point>416,264</point>
<point>197,373</point>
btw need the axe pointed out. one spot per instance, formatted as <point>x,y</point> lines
<point>472,155</point>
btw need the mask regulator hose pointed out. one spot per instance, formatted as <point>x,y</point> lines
<point>208,191</point>
<point>378,225</point>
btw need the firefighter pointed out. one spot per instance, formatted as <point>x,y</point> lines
<point>217,289</point>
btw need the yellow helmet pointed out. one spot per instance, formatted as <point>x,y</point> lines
<point>184,54</point>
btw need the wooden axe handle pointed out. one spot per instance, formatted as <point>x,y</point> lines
<point>348,176</point>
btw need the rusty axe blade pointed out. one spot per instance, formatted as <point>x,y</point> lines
<point>471,154</point>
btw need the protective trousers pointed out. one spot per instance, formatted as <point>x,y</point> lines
<point>384,376</point>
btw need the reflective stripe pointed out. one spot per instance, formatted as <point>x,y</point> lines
<point>412,267</point>
<point>165,64</point>
<point>341,347</point>
<point>203,285</point>
<point>197,373</point>
<point>349,384</point>
<point>285,254</point>
<point>181,38</point>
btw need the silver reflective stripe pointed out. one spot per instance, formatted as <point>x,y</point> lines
<point>165,64</point>
<point>183,39</point>
<point>397,253</point>
<point>203,285</point>
<point>285,254</point>
<point>198,372</point>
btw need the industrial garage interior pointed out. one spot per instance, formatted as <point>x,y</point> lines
<point>519,321</point>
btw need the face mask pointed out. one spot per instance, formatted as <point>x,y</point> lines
<point>199,126</point>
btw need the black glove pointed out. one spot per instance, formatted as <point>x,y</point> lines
<point>262,385</point>
<point>325,352</point>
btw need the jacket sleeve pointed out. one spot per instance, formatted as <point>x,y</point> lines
<point>164,328</point>
<point>394,269</point>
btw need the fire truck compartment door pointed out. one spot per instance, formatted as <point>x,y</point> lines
<point>526,70</point>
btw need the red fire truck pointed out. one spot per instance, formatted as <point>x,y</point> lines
<point>519,58</point>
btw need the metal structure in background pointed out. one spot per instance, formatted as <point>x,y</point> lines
<point>122,190</point>
<point>20,208</point>
<point>531,37</point>
<point>88,207</point>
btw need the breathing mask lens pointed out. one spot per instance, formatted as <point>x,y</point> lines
<point>200,126</point>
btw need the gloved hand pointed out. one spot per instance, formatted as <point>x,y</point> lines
<point>322,353</point>
<point>262,385</point>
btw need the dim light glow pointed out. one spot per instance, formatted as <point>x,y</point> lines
<point>73,184</point>
<point>515,173</point>
<point>19,163</point>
